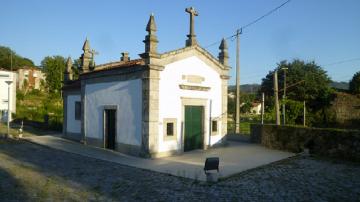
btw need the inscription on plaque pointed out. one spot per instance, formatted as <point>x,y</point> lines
<point>193,78</point>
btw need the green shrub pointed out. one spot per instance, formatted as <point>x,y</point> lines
<point>36,104</point>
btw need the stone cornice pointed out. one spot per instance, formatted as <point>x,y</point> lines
<point>227,77</point>
<point>191,87</point>
<point>155,67</point>
<point>71,85</point>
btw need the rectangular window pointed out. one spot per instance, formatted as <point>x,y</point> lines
<point>170,129</point>
<point>214,126</point>
<point>77,110</point>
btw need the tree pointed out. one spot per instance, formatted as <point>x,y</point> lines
<point>294,111</point>
<point>245,101</point>
<point>75,68</point>
<point>245,107</point>
<point>53,68</point>
<point>354,85</point>
<point>17,60</point>
<point>305,81</point>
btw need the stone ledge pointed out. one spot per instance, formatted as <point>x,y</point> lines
<point>198,88</point>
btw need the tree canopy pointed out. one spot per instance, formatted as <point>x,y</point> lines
<point>305,81</point>
<point>17,60</point>
<point>245,100</point>
<point>354,85</point>
<point>54,67</point>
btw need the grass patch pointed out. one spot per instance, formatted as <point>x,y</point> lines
<point>3,130</point>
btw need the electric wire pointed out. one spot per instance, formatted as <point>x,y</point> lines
<point>342,61</point>
<point>252,23</point>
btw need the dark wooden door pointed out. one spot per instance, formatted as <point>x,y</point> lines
<point>193,138</point>
<point>110,128</point>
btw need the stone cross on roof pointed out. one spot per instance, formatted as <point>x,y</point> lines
<point>191,37</point>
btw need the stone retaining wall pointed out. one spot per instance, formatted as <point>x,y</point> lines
<point>346,108</point>
<point>337,143</point>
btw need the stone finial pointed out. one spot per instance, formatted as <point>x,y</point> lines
<point>191,36</point>
<point>86,46</point>
<point>69,65</point>
<point>86,58</point>
<point>224,55</point>
<point>151,39</point>
<point>151,26</point>
<point>125,56</point>
<point>68,74</point>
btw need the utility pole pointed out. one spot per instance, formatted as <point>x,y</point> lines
<point>237,119</point>
<point>8,111</point>
<point>276,91</point>
<point>210,122</point>
<point>262,107</point>
<point>11,61</point>
<point>304,114</point>
<point>284,95</point>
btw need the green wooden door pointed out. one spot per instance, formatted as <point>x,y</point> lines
<point>193,128</point>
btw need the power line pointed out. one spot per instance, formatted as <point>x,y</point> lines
<point>267,14</point>
<point>342,61</point>
<point>217,42</point>
<point>252,22</point>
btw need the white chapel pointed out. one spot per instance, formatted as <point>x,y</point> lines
<point>158,105</point>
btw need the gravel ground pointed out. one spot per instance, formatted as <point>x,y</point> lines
<point>29,172</point>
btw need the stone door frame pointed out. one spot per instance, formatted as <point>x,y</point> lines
<point>203,102</point>
<point>109,107</point>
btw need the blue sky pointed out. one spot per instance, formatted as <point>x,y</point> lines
<point>326,31</point>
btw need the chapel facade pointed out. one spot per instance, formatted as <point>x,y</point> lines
<point>158,105</point>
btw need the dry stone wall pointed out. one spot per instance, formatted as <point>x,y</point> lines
<point>336,143</point>
<point>347,110</point>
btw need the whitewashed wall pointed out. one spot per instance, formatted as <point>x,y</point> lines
<point>170,97</point>
<point>7,76</point>
<point>127,96</point>
<point>72,125</point>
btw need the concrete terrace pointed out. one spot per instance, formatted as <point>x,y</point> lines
<point>236,157</point>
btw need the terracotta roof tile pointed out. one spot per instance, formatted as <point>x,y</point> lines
<point>115,65</point>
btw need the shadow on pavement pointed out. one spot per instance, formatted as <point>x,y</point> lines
<point>82,174</point>
<point>10,188</point>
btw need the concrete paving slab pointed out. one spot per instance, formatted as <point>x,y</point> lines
<point>236,157</point>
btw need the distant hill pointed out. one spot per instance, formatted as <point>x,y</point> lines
<point>340,85</point>
<point>246,88</point>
